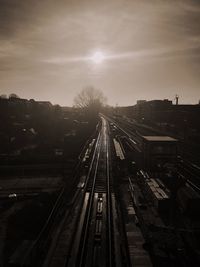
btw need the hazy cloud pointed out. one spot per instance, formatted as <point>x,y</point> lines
<point>45,48</point>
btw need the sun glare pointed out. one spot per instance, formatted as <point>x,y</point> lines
<point>98,57</point>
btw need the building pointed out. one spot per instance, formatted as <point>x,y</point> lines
<point>158,152</point>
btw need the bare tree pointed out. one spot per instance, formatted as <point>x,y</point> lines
<point>90,99</point>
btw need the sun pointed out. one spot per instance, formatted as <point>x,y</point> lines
<point>98,57</point>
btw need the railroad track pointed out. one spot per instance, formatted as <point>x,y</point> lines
<point>88,233</point>
<point>188,170</point>
<point>38,252</point>
<point>93,243</point>
<point>190,175</point>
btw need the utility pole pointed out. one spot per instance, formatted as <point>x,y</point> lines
<point>176,98</point>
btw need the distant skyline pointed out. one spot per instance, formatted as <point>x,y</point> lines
<point>130,49</point>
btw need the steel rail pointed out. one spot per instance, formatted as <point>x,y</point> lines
<point>97,146</point>
<point>133,137</point>
<point>81,258</point>
<point>77,194</point>
<point>83,244</point>
<point>52,216</point>
<point>109,206</point>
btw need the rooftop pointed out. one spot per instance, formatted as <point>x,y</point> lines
<point>157,138</point>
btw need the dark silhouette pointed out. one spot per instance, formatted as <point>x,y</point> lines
<point>90,100</point>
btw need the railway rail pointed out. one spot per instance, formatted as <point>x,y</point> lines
<point>189,171</point>
<point>96,232</point>
<point>93,243</point>
<point>89,237</point>
<point>35,252</point>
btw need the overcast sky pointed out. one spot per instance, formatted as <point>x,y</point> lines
<point>151,48</point>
